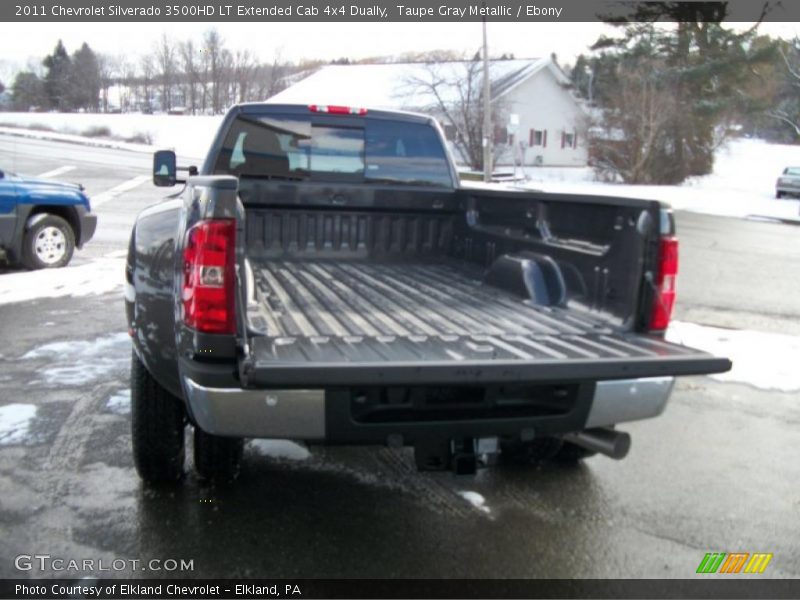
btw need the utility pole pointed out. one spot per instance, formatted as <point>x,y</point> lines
<point>487,111</point>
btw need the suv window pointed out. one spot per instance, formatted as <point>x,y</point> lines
<point>291,147</point>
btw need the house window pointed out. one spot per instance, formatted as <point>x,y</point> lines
<point>569,140</point>
<point>538,137</point>
<point>500,135</point>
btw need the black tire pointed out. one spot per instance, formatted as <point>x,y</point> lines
<point>526,453</point>
<point>158,421</point>
<point>49,244</point>
<point>217,459</point>
<point>779,195</point>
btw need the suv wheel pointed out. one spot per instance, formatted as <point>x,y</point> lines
<point>49,244</point>
<point>158,420</point>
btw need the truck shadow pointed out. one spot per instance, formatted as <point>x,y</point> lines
<point>339,519</point>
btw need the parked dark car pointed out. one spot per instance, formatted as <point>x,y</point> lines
<point>788,183</point>
<point>42,221</point>
<point>326,278</point>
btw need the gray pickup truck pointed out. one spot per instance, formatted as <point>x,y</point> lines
<point>325,278</point>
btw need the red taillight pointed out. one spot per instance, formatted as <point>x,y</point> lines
<point>664,298</point>
<point>209,259</point>
<point>337,110</point>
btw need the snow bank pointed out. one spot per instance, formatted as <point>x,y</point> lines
<point>281,449</point>
<point>764,360</point>
<point>189,136</point>
<point>476,500</point>
<point>15,420</point>
<point>99,276</point>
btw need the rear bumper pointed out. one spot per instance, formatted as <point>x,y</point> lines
<point>303,414</point>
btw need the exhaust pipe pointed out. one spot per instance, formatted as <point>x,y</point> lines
<point>614,444</point>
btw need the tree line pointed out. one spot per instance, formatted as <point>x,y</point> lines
<point>198,76</point>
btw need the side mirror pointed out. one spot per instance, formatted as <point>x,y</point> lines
<point>164,168</point>
<point>2,174</point>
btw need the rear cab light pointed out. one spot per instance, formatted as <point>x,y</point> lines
<point>208,278</point>
<point>337,110</point>
<point>664,292</point>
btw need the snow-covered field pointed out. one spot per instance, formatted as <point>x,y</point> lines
<point>189,136</point>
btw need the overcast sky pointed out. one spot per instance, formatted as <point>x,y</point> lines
<point>32,41</point>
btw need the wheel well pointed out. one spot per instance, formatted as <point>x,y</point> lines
<point>65,212</point>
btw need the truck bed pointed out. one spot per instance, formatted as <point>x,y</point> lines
<point>367,322</point>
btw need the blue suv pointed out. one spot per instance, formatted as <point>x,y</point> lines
<point>42,221</point>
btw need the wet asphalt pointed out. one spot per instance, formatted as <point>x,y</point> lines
<point>717,472</point>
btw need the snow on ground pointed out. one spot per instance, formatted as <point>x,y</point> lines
<point>83,362</point>
<point>742,184</point>
<point>764,360</point>
<point>98,276</point>
<point>120,402</point>
<point>15,420</point>
<point>189,136</point>
<point>281,449</point>
<point>476,500</point>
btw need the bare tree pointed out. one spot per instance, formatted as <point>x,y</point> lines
<point>243,69</point>
<point>452,91</point>
<point>215,59</point>
<point>109,68</point>
<point>147,68</point>
<point>165,59</point>
<point>191,72</point>
<point>787,109</point>
<point>127,76</point>
<point>635,126</point>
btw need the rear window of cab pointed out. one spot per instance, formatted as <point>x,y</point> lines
<point>292,147</point>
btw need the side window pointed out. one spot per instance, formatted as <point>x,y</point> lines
<point>237,154</point>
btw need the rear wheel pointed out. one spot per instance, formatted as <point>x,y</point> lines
<point>217,459</point>
<point>158,420</point>
<point>779,195</point>
<point>49,244</point>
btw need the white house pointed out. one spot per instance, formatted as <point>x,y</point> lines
<point>544,124</point>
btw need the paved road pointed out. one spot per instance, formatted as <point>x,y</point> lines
<point>717,472</point>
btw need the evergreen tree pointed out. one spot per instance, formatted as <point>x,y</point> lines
<point>57,78</point>
<point>84,80</point>
<point>27,91</point>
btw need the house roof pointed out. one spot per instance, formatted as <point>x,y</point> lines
<point>407,85</point>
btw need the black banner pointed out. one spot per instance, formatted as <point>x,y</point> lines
<point>247,589</point>
<point>412,11</point>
